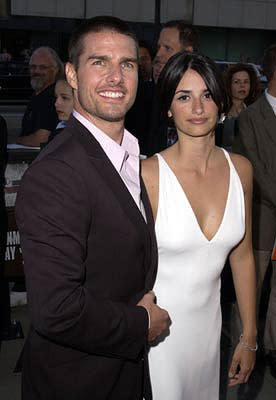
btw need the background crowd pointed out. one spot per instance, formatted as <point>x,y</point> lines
<point>248,128</point>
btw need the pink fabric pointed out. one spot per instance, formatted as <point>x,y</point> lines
<point>124,157</point>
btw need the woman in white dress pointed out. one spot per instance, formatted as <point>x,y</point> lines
<point>201,201</point>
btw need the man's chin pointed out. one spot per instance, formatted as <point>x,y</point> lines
<point>113,117</point>
<point>37,85</point>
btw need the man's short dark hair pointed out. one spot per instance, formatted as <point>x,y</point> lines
<point>188,35</point>
<point>145,45</point>
<point>174,70</point>
<point>269,62</point>
<point>96,24</point>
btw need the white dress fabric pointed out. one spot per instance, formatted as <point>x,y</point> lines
<point>185,364</point>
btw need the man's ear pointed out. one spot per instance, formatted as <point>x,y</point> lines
<point>71,75</point>
<point>189,49</point>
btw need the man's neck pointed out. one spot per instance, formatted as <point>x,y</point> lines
<point>271,88</point>
<point>115,130</point>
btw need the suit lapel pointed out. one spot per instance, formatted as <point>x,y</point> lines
<point>269,118</point>
<point>152,250</point>
<point>111,177</point>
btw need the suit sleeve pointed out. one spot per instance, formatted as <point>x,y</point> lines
<point>54,214</point>
<point>246,144</point>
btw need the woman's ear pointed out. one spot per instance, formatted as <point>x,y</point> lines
<point>169,114</point>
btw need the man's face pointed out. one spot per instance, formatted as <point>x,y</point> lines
<point>145,63</point>
<point>43,70</point>
<point>168,45</point>
<point>105,81</point>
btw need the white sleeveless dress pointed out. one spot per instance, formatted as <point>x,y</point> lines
<point>185,365</point>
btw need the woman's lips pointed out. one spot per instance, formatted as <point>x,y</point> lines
<point>198,121</point>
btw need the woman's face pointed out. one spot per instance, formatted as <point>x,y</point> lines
<point>64,100</point>
<point>240,85</point>
<point>193,110</point>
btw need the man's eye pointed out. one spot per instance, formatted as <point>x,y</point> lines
<point>98,62</point>
<point>127,65</point>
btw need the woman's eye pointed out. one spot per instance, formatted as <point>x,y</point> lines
<point>183,97</point>
<point>208,95</point>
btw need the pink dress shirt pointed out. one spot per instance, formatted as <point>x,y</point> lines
<point>124,157</point>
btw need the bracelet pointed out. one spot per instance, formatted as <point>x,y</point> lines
<point>246,345</point>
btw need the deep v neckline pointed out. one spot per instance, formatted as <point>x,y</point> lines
<point>190,206</point>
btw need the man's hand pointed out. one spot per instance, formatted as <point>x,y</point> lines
<point>34,139</point>
<point>159,318</point>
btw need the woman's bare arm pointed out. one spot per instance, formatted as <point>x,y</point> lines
<point>243,270</point>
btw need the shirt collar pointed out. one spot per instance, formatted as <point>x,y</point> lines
<point>116,153</point>
<point>270,99</point>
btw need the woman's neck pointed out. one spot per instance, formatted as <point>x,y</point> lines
<point>237,107</point>
<point>194,153</point>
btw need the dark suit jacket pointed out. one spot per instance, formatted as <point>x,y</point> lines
<point>3,215</point>
<point>89,257</point>
<point>138,119</point>
<point>257,141</point>
<point>157,139</point>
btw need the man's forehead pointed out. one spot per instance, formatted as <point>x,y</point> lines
<point>170,35</point>
<point>41,56</point>
<point>98,40</point>
<point>144,51</point>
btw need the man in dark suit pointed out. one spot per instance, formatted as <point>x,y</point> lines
<point>87,236</point>
<point>257,141</point>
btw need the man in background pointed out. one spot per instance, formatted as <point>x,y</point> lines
<point>256,140</point>
<point>145,61</point>
<point>40,117</point>
<point>174,37</point>
<point>144,119</point>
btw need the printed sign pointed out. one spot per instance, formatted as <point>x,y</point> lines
<point>13,254</point>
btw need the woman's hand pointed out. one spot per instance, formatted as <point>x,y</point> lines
<point>242,365</point>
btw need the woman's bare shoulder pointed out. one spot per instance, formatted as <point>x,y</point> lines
<point>149,168</point>
<point>244,169</point>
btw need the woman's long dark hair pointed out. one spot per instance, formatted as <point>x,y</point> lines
<point>255,88</point>
<point>174,70</point>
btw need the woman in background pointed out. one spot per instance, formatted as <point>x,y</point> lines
<point>243,88</point>
<point>201,201</point>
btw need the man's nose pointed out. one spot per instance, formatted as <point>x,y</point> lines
<point>115,74</point>
<point>159,55</point>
